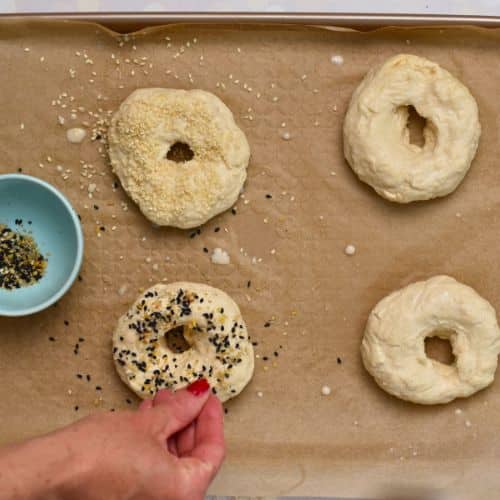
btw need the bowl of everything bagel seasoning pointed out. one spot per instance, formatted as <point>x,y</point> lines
<point>41,245</point>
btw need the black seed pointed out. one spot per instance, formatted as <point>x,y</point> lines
<point>98,388</point>
<point>267,324</point>
<point>217,229</point>
<point>269,196</point>
<point>76,408</point>
<point>339,361</point>
<point>66,322</point>
<point>52,339</point>
<point>205,249</point>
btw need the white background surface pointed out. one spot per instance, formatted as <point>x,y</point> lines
<point>477,7</point>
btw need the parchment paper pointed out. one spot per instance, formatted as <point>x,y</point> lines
<point>292,440</point>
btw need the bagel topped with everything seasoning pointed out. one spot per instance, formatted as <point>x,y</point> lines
<point>179,155</point>
<point>209,324</point>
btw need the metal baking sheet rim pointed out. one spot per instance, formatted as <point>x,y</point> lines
<point>136,20</point>
<point>123,22</point>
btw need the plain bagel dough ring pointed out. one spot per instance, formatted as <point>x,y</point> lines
<point>376,138</point>
<point>220,349</point>
<point>181,194</point>
<point>393,348</point>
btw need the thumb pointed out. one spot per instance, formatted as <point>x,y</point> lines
<point>172,411</point>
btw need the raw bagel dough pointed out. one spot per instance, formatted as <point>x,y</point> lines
<point>220,349</point>
<point>376,139</point>
<point>169,193</point>
<point>393,348</point>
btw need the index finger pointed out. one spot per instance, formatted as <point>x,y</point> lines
<point>209,446</point>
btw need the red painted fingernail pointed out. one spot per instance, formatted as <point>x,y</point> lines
<point>199,387</point>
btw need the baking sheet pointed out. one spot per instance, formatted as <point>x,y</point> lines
<point>292,440</point>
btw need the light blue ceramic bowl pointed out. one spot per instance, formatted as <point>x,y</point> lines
<point>56,229</point>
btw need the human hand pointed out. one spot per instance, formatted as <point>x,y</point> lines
<point>169,449</point>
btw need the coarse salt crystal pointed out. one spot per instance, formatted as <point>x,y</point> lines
<point>350,250</point>
<point>325,390</point>
<point>220,256</point>
<point>337,59</point>
<point>75,135</point>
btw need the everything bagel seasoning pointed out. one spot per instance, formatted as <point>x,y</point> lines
<point>21,263</point>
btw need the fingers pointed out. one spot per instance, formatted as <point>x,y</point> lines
<point>186,439</point>
<point>172,445</point>
<point>209,446</point>
<point>172,411</point>
<point>146,404</point>
<point>182,442</point>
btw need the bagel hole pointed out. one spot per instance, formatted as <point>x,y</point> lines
<point>180,152</point>
<point>439,349</point>
<point>176,341</point>
<point>416,125</point>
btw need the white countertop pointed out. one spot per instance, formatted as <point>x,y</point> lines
<point>464,7</point>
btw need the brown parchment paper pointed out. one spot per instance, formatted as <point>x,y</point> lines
<point>292,440</point>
